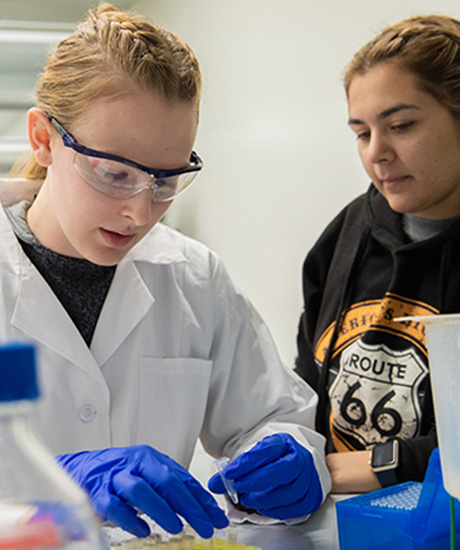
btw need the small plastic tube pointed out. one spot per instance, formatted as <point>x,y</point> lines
<point>221,463</point>
<point>207,544</point>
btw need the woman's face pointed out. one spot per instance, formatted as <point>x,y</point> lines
<point>71,217</point>
<point>408,142</point>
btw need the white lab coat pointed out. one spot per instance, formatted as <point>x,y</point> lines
<point>178,353</point>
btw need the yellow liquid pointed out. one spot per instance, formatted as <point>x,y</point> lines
<point>184,544</point>
<point>224,545</point>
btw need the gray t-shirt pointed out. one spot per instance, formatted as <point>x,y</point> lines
<point>420,229</point>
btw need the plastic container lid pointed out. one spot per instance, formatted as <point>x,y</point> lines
<point>18,377</point>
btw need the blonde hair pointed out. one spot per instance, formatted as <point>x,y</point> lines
<point>106,54</point>
<point>427,46</point>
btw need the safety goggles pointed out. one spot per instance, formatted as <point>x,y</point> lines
<point>121,178</point>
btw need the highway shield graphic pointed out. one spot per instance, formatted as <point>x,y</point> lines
<point>375,394</point>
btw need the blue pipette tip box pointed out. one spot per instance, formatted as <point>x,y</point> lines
<point>407,516</point>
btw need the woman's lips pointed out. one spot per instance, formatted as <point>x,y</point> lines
<point>393,182</point>
<point>116,240</point>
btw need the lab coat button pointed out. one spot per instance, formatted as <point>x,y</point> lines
<point>87,413</point>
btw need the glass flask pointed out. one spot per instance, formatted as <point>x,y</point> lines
<point>40,506</point>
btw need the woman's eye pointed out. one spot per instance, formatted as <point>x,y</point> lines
<point>169,182</point>
<point>115,176</point>
<point>105,173</point>
<point>112,173</point>
<point>362,136</point>
<point>402,126</point>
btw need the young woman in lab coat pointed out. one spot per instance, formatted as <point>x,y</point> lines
<point>145,344</point>
<point>392,252</point>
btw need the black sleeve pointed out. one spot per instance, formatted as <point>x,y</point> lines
<point>414,456</point>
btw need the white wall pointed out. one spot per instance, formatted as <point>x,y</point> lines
<point>280,161</point>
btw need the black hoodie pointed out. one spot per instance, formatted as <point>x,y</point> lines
<point>371,372</point>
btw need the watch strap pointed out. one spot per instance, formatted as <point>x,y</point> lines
<point>386,473</point>
<point>387,477</point>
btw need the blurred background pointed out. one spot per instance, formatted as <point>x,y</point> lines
<point>280,161</point>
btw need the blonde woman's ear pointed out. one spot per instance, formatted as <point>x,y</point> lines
<point>40,129</point>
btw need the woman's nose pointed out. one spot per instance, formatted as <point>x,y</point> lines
<point>139,208</point>
<point>379,149</point>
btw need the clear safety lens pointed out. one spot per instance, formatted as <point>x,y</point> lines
<point>121,181</point>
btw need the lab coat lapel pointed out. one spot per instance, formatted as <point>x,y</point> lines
<point>36,311</point>
<point>40,315</point>
<point>126,304</point>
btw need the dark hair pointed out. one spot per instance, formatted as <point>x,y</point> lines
<point>428,46</point>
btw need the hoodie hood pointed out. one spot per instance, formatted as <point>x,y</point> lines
<point>384,223</point>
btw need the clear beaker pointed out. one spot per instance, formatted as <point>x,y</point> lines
<point>443,343</point>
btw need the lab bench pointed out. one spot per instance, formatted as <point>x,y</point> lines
<point>319,532</point>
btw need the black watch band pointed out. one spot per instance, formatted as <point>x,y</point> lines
<point>385,461</point>
<point>387,477</point>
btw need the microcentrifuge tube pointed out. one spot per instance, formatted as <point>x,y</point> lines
<point>221,463</point>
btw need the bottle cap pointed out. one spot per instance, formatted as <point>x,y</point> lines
<point>18,377</point>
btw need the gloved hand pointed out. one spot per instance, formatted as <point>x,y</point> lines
<point>277,478</point>
<point>121,480</point>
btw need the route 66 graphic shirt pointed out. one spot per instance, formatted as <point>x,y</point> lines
<point>371,372</point>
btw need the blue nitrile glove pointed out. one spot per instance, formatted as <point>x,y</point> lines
<point>121,480</point>
<point>277,478</point>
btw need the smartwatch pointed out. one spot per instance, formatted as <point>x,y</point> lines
<point>384,461</point>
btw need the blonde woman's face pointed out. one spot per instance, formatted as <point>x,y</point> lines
<point>73,218</point>
<point>408,142</point>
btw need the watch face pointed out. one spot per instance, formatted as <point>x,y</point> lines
<point>383,455</point>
